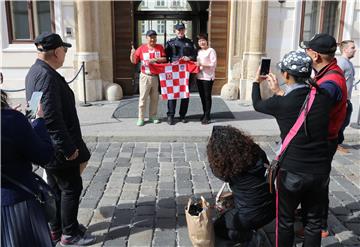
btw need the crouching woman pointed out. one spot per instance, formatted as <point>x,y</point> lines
<point>236,159</point>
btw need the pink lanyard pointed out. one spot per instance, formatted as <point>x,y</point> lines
<point>298,123</point>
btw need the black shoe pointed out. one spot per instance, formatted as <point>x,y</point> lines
<point>170,120</point>
<point>205,121</point>
<point>183,119</point>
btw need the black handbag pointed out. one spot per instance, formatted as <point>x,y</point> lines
<point>272,170</point>
<point>44,195</point>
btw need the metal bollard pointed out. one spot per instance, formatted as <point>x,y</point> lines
<point>84,85</point>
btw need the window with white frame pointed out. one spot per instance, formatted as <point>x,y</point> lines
<point>161,27</point>
<point>27,19</point>
<point>160,3</point>
<point>322,17</point>
<point>143,27</point>
<point>176,3</point>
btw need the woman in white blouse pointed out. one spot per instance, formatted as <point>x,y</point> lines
<point>205,78</point>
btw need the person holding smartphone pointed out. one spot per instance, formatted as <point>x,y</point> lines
<point>23,221</point>
<point>305,167</point>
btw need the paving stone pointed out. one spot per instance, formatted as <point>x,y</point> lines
<point>166,223</point>
<point>162,212</point>
<point>126,204</point>
<point>145,210</point>
<point>133,180</point>
<point>122,216</point>
<point>146,200</point>
<point>143,221</point>
<point>164,238</point>
<point>89,203</point>
<point>140,236</point>
<point>183,239</point>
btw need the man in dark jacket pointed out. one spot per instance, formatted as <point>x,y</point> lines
<point>178,48</point>
<point>62,122</point>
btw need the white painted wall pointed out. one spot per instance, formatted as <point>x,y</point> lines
<point>16,59</point>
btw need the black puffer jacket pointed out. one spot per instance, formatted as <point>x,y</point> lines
<point>254,203</point>
<point>60,114</point>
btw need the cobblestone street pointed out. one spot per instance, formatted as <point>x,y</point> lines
<point>135,193</point>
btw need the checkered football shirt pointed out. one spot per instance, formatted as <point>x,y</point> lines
<point>174,78</point>
<point>144,55</point>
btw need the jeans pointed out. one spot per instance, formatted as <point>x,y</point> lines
<point>307,189</point>
<point>67,183</point>
<point>172,106</point>
<point>205,88</point>
<point>349,109</point>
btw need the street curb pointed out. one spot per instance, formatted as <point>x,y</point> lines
<point>349,138</point>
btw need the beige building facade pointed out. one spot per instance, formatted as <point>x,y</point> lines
<point>102,32</point>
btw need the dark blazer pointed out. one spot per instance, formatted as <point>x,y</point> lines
<point>60,114</point>
<point>21,145</point>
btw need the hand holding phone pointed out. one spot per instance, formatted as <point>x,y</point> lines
<point>33,105</point>
<point>265,66</point>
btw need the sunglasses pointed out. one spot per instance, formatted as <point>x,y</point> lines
<point>65,49</point>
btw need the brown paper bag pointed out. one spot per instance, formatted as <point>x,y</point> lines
<point>200,228</point>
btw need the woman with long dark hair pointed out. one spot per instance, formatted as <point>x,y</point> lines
<point>23,222</point>
<point>235,158</point>
<point>305,166</point>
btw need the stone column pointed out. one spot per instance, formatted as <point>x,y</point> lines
<point>255,47</point>
<point>86,35</point>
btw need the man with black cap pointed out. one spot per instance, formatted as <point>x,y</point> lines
<point>148,83</point>
<point>179,48</point>
<point>63,173</point>
<point>328,75</point>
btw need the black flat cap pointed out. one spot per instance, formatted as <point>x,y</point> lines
<point>321,42</point>
<point>179,26</point>
<point>151,32</point>
<point>50,41</point>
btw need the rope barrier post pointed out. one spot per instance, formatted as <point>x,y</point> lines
<point>84,85</point>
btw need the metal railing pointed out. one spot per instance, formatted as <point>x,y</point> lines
<point>82,68</point>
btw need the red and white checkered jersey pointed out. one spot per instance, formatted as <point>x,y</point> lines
<point>144,54</point>
<point>174,78</point>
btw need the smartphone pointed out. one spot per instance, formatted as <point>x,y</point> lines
<point>265,66</point>
<point>33,104</point>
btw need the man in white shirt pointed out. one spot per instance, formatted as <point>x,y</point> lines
<point>347,48</point>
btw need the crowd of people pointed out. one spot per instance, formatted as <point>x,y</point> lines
<point>54,141</point>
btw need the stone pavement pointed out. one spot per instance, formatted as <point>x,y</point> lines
<point>139,178</point>
<point>135,193</point>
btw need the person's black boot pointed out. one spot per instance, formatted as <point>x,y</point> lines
<point>170,120</point>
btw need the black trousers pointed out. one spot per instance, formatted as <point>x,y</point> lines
<point>307,189</point>
<point>228,226</point>
<point>172,106</point>
<point>67,183</point>
<point>332,150</point>
<point>349,110</point>
<point>205,88</point>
